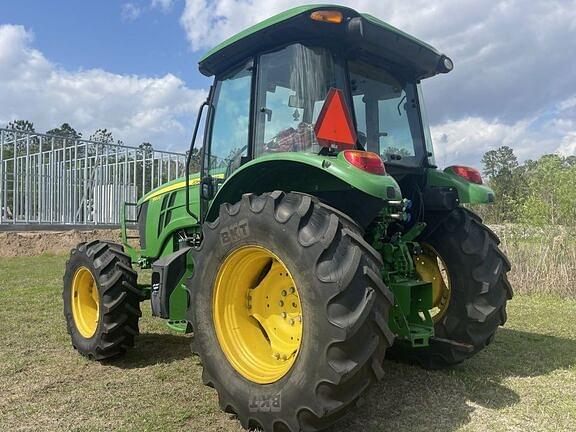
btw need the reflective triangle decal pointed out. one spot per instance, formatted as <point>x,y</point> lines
<point>334,125</point>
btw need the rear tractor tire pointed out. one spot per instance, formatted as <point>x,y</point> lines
<point>101,300</point>
<point>468,272</point>
<point>290,315</point>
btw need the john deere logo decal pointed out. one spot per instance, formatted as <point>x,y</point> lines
<point>234,232</point>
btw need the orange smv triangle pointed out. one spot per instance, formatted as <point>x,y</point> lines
<point>334,125</point>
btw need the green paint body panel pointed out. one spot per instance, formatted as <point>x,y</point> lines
<point>410,319</point>
<point>179,298</point>
<point>167,215</point>
<point>180,326</point>
<point>357,31</point>
<point>302,172</point>
<point>468,192</point>
<point>175,184</point>
<point>286,15</point>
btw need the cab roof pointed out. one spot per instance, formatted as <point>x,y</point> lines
<point>362,33</point>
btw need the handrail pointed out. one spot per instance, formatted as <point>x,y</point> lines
<point>189,158</point>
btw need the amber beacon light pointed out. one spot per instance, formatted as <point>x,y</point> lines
<point>333,17</point>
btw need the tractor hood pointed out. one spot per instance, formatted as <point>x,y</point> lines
<point>360,33</point>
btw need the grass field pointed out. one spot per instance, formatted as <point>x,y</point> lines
<point>544,259</point>
<point>525,380</point>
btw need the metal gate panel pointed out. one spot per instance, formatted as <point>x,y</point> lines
<point>54,180</point>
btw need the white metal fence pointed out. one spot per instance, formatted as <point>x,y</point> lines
<point>55,180</point>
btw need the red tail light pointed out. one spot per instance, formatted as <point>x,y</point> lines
<point>366,161</point>
<point>470,174</point>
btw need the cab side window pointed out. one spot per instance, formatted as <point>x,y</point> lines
<point>231,119</point>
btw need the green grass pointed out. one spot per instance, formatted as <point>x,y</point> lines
<point>525,380</point>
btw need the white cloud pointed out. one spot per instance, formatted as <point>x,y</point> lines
<point>130,12</point>
<point>568,103</point>
<point>464,141</point>
<point>514,61</point>
<point>164,5</point>
<point>135,108</point>
<point>467,139</point>
<point>568,144</point>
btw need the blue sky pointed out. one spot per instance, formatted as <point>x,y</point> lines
<point>131,67</point>
<point>98,34</point>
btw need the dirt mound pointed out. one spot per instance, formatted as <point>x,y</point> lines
<point>14,244</point>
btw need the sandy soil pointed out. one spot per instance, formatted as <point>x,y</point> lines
<point>55,242</point>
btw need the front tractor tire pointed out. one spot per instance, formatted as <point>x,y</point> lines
<point>289,313</point>
<point>470,304</point>
<point>101,300</point>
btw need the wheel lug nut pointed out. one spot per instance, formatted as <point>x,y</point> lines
<point>284,315</point>
<point>294,305</point>
<point>292,322</point>
<point>280,303</point>
<point>284,293</point>
<point>292,290</point>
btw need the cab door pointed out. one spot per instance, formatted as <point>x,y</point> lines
<point>228,131</point>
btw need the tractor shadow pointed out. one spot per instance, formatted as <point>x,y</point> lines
<point>413,399</point>
<point>156,348</point>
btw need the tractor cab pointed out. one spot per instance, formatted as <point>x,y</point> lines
<point>342,81</point>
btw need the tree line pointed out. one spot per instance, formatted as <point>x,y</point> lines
<point>538,192</point>
<point>67,132</point>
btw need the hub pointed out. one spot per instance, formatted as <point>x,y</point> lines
<point>257,314</point>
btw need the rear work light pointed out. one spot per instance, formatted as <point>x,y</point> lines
<point>470,174</point>
<point>366,161</point>
<point>333,17</point>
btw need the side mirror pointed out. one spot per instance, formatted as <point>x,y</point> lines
<point>207,188</point>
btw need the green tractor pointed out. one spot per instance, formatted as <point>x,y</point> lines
<point>318,236</point>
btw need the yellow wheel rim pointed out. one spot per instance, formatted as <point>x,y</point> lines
<point>431,268</point>
<point>257,314</point>
<point>85,302</point>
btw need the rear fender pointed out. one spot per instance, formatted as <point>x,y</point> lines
<point>468,192</point>
<point>333,180</point>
